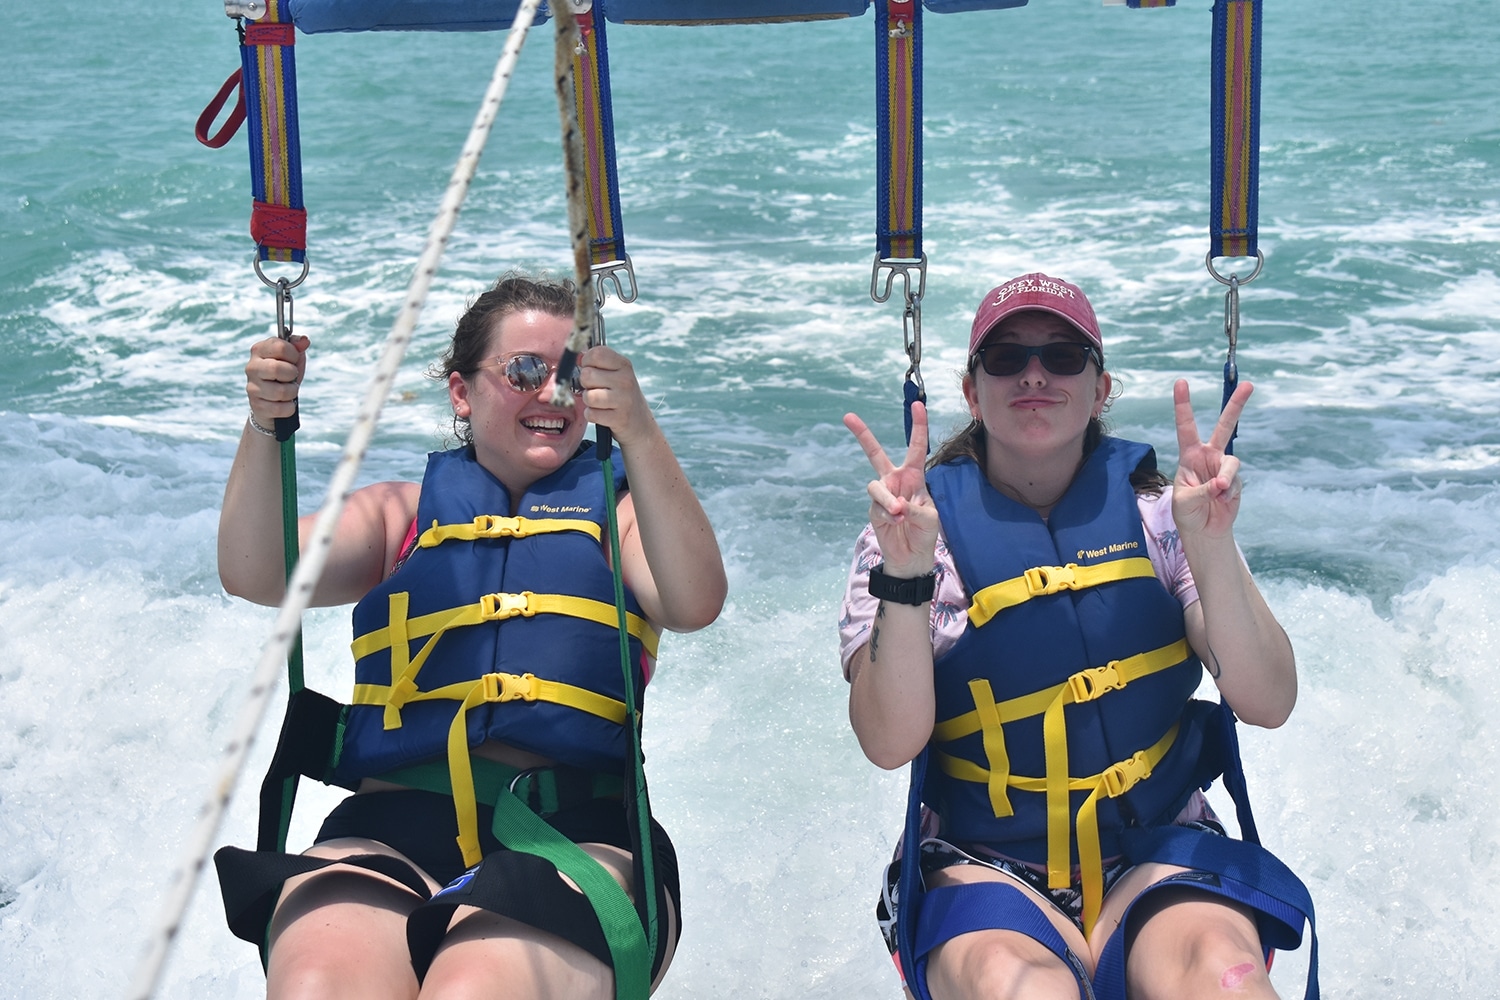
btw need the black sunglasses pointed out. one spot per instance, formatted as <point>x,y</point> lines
<point>526,372</point>
<point>1062,358</point>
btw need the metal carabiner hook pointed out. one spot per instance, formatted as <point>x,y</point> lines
<point>1232,324</point>
<point>283,290</point>
<point>1232,306</point>
<point>911,331</point>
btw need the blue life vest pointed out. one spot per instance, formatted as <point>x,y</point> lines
<point>503,627</point>
<point>1065,710</point>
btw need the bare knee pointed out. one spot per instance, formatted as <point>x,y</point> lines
<point>1195,948</point>
<point>485,951</point>
<point>1227,960</point>
<point>998,965</point>
<point>324,971</point>
<point>341,934</point>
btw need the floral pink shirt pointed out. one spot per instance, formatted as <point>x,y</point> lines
<point>950,602</point>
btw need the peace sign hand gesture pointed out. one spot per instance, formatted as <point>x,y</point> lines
<point>1206,492</point>
<point>901,511</point>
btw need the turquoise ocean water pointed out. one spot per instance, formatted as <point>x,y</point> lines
<point>1065,136</point>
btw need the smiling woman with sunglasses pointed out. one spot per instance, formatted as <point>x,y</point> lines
<point>1035,607</point>
<point>486,654</point>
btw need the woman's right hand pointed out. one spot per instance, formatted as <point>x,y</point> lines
<point>901,511</point>
<point>273,377</point>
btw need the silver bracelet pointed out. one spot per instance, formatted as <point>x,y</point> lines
<point>255,425</point>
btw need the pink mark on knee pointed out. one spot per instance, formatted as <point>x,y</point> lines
<point>1234,976</point>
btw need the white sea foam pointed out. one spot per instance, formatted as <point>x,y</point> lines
<point>1369,447</point>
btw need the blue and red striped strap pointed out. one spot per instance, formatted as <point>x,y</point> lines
<point>898,101</point>
<point>278,221</point>
<point>1236,128</point>
<point>591,95</point>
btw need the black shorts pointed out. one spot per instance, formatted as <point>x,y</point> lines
<point>423,827</point>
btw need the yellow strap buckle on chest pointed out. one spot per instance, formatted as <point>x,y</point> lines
<point>1117,779</point>
<point>1042,581</point>
<point>498,607</point>
<point>1086,685</point>
<point>499,526</point>
<point>510,687</point>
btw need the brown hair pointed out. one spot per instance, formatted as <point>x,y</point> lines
<point>512,292</point>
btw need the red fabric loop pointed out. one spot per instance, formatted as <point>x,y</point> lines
<point>236,114</point>
<point>278,226</point>
<point>270,34</point>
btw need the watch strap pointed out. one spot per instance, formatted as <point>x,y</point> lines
<point>916,590</point>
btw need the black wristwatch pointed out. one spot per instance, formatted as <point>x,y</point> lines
<point>913,590</point>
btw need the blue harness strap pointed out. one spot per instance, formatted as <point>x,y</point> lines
<point>1236,870</point>
<point>952,910</point>
<point>928,918</point>
<point>909,888</point>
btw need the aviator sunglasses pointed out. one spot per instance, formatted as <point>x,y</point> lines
<point>1062,358</point>
<point>527,372</point>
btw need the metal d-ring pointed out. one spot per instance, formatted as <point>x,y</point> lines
<point>1208,262</point>
<point>277,283</point>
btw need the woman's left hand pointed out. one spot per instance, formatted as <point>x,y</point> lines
<point>1206,492</point>
<point>612,396</point>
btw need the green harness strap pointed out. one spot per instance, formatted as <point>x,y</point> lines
<point>290,544</point>
<point>644,853</point>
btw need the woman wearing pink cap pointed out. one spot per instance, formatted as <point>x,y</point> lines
<point>1032,609</point>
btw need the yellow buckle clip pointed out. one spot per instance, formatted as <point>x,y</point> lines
<point>1042,580</point>
<point>510,687</point>
<point>495,526</point>
<point>495,607</point>
<point>1120,778</point>
<point>1086,685</point>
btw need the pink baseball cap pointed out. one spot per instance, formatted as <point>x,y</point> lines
<point>1035,291</point>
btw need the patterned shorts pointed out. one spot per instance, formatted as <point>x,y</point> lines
<point>938,854</point>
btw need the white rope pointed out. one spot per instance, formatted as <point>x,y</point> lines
<point>310,566</point>
<point>585,310</point>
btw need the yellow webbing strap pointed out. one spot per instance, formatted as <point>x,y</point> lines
<point>1026,705</point>
<point>1042,580</point>
<point>508,687</point>
<point>495,526</point>
<point>490,607</point>
<point>499,688</point>
<point>1086,685</point>
<point>1113,781</point>
<point>989,717</point>
<point>994,745</point>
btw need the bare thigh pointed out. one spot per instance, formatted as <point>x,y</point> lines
<point>996,964</point>
<point>482,948</point>
<point>341,932</point>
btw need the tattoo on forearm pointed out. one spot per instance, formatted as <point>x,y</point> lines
<point>875,632</point>
<point>1214,670</point>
